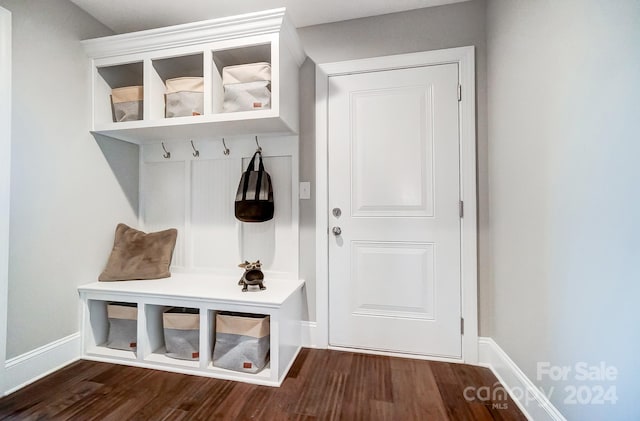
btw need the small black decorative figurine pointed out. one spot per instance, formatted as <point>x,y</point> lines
<point>252,275</point>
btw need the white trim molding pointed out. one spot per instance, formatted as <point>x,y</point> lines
<point>532,402</point>
<point>310,335</point>
<point>464,57</point>
<point>25,369</point>
<point>251,24</point>
<point>5,183</point>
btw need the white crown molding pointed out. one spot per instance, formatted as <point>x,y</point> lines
<point>251,24</point>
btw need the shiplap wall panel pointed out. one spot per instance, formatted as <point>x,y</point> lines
<point>214,229</point>
<point>164,201</point>
<point>196,195</point>
<point>259,240</point>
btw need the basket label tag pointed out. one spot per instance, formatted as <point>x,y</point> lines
<point>257,105</point>
<point>133,344</point>
<point>246,365</point>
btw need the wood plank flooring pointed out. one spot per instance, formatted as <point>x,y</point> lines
<point>322,385</point>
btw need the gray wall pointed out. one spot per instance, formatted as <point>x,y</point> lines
<point>65,197</point>
<point>564,131</point>
<point>449,26</point>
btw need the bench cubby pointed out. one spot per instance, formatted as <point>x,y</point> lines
<point>281,301</point>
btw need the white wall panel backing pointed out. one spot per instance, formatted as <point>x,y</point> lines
<point>258,239</point>
<point>163,205</point>
<point>214,229</point>
<point>196,195</point>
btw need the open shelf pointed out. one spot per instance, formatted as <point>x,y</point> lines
<point>97,333</point>
<point>112,77</point>
<point>198,50</point>
<point>104,351</point>
<point>169,68</point>
<point>159,356</point>
<point>196,128</point>
<point>282,302</point>
<point>265,373</point>
<point>234,57</point>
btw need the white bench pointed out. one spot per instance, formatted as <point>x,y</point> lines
<point>282,301</point>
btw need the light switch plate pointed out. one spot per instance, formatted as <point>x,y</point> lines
<point>305,190</point>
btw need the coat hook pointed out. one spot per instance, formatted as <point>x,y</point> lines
<point>196,153</point>
<point>259,147</point>
<point>226,150</point>
<point>167,154</point>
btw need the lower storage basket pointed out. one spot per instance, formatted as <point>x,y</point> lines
<point>242,342</point>
<point>247,96</point>
<point>126,103</point>
<point>123,326</point>
<point>184,97</point>
<point>182,333</point>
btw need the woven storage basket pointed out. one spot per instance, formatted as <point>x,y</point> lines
<point>242,342</point>
<point>247,87</point>
<point>126,103</point>
<point>184,97</point>
<point>244,73</point>
<point>182,333</point>
<point>123,326</point>
<point>247,96</point>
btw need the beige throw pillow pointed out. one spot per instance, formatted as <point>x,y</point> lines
<point>138,255</point>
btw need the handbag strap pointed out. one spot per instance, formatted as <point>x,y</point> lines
<point>259,180</point>
<point>250,167</point>
<point>253,161</point>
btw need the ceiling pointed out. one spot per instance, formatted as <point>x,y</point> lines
<point>128,16</point>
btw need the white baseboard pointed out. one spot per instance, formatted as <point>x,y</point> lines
<point>33,365</point>
<point>309,334</point>
<point>533,403</point>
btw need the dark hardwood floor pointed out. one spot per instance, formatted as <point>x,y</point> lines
<point>322,385</point>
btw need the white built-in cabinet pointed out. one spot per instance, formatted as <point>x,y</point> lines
<point>281,301</point>
<point>188,180</point>
<point>149,58</point>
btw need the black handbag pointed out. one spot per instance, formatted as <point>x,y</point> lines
<point>254,199</point>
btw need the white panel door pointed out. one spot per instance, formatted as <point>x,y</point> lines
<point>394,247</point>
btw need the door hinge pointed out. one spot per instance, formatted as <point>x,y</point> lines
<point>461,209</point>
<point>459,92</point>
<point>461,325</point>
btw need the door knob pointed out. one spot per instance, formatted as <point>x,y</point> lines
<point>336,212</point>
<point>336,231</point>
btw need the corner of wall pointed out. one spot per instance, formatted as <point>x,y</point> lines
<point>531,401</point>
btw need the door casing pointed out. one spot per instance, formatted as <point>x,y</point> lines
<point>465,58</point>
